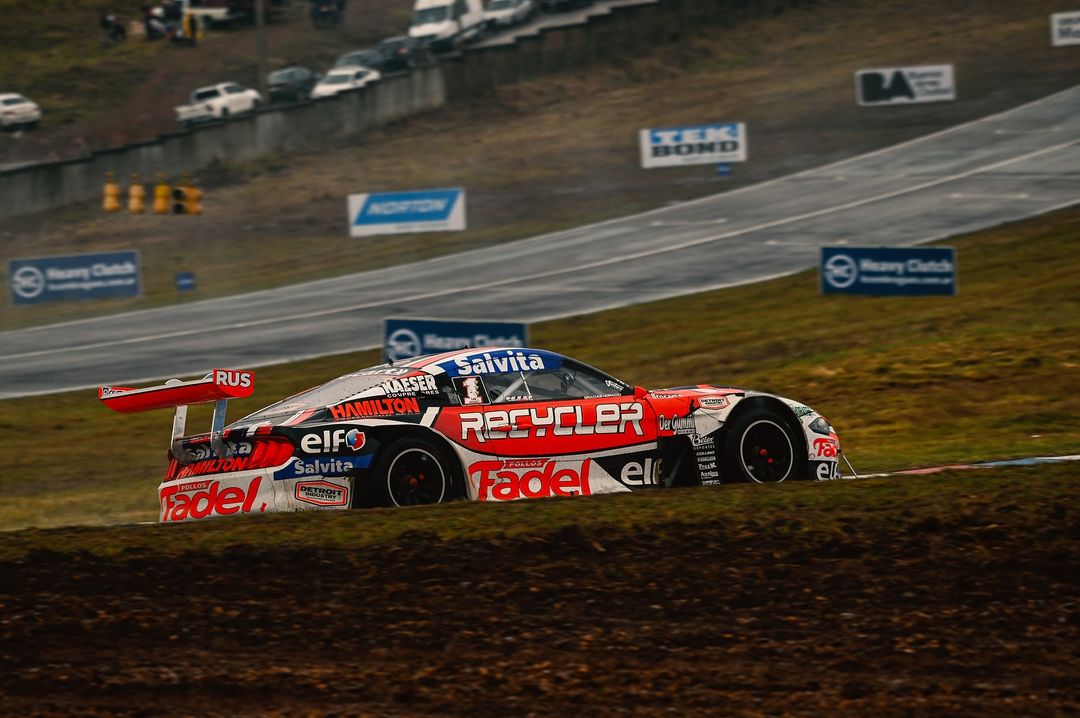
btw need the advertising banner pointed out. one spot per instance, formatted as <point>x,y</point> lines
<point>1065,28</point>
<point>432,210</point>
<point>406,338</point>
<point>905,85</point>
<point>75,276</point>
<point>698,145</point>
<point>888,271</point>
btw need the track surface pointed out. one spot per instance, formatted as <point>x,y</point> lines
<point>1002,168</point>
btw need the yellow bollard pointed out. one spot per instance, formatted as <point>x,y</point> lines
<point>161,196</point>
<point>111,201</point>
<point>193,200</point>
<point>136,195</point>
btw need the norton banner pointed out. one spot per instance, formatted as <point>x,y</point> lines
<point>432,210</point>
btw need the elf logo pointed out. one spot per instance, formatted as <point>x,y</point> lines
<point>228,377</point>
<point>331,441</point>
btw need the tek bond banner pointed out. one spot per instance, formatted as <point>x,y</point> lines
<point>697,145</point>
<point>1065,28</point>
<point>905,85</point>
<point>887,271</point>
<point>404,338</point>
<point>75,277</point>
<point>434,210</point>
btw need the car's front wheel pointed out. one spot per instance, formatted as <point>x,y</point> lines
<point>414,472</point>
<point>761,447</point>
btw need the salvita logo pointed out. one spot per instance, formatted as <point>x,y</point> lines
<point>903,85</point>
<point>497,363</point>
<point>326,466</point>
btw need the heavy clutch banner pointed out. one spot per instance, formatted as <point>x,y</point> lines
<point>699,145</point>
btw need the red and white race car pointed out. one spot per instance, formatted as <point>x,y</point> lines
<point>488,424</point>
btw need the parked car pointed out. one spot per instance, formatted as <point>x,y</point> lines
<point>394,54</point>
<point>341,79</point>
<point>17,111</point>
<point>486,424</point>
<point>403,52</point>
<point>291,84</point>
<point>506,13</point>
<point>447,24</point>
<point>218,102</point>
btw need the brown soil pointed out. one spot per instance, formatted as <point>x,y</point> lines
<point>972,615</point>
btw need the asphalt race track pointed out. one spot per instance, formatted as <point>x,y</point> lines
<point>1002,168</point>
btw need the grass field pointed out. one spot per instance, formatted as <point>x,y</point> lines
<point>989,374</point>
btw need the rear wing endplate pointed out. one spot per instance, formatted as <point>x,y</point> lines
<point>219,386</point>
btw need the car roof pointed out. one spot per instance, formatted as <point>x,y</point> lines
<point>11,96</point>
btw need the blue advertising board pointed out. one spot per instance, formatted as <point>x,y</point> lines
<point>404,338</point>
<point>75,276</point>
<point>433,210</point>
<point>888,271</point>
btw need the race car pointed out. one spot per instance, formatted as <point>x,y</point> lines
<point>486,424</point>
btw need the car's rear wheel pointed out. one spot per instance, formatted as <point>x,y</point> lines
<point>415,472</point>
<point>761,447</point>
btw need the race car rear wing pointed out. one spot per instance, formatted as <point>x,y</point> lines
<point>219,386</point>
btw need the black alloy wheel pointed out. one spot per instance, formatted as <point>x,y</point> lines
<point>762,448</point>
<point>417,474</point>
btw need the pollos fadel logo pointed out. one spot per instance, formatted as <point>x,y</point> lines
<point>199,499</point>
<point>227,377</point>
<point>528,479</point>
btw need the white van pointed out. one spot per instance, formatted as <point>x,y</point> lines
<point>447,23</point>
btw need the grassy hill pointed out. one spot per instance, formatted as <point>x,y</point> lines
<point>908,382</point>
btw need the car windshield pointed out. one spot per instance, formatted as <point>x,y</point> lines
<point>281,76</point>
<point>14,100</point>
<point>337,78</point>
<point>501,5</point>
<point>432,14</point>
<point>333,392</point>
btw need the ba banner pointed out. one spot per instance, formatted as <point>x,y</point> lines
<point>700,145</point>
<point>905,85</point>
<point>888,271</point>
<point>431,210</point>
<point>406,338</point>
<point>75,276</point>
<point>1065,28</point>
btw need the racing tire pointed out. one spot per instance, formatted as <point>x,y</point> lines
<point>415,472</point>
<point>761,447</point>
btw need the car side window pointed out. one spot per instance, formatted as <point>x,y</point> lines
<point>233,90</point>
<point>570,381</point>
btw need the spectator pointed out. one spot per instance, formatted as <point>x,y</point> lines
<point>155,29</point>
<point>112,31</point>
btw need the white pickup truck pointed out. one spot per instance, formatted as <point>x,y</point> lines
<point>217,102</point>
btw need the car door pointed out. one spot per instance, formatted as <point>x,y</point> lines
<point>562,431</point>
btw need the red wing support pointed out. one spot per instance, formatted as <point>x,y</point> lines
<point>218,386</point>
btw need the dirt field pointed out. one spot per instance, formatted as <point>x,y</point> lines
<point>967,608</point>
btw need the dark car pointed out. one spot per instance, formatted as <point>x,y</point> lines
<point>404,52</point>
<point>557,5</point>
<point>291,84</point>
<point>394,54</point>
